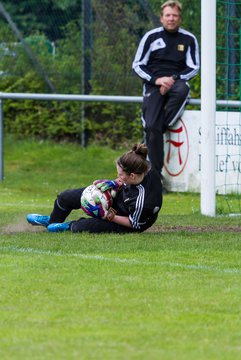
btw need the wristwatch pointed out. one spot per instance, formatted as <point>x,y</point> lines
<point>175,77</point>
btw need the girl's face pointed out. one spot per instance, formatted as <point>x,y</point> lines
<point>123,175</point>
<point>128,179</point>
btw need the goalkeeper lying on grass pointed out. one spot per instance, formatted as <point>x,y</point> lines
<point>134,208</point>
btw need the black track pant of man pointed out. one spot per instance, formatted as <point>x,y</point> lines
<point>158,113</point>
<point>69,200</point>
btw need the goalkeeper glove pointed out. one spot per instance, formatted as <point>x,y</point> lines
<point>105,185</point>
<point>97,211</point>
<point>110,214</point>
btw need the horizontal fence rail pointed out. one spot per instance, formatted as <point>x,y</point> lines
<point>101,98</point>
<point>84,98</point>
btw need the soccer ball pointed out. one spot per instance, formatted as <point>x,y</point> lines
<point>92,196</point>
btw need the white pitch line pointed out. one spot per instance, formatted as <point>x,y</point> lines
<point>122,260</point>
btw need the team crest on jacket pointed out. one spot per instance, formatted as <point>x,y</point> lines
<point>180,47</point>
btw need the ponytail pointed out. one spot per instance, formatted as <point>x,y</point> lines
<point>135,161</point>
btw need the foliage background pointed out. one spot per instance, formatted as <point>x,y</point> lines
<point>87,47</point>
<point>77,53</point>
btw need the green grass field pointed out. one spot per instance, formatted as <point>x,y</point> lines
<point>173,292</point>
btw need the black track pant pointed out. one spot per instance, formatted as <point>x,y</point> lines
<point>69,200</point>
<point>159,112</point>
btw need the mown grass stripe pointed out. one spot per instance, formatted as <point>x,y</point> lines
<point>123,260</point>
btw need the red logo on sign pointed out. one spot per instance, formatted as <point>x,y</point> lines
<point>177,149</point>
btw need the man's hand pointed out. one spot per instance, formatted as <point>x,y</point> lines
<point>164,90</point>
<point>165,83</point>
<point>105,185</point>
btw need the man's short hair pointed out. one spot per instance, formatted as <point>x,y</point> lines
<point>172,4</point>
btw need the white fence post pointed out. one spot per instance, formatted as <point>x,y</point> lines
<point>208,107</point>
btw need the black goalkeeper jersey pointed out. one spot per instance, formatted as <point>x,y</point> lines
<point>142,202</point>
<point>162,53</point>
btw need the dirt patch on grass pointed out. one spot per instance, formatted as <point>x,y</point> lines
<point>24,227</point>
<point>195,229</point>
<point>21,227</point>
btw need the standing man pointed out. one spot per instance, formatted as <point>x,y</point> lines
<point>167,57</point>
